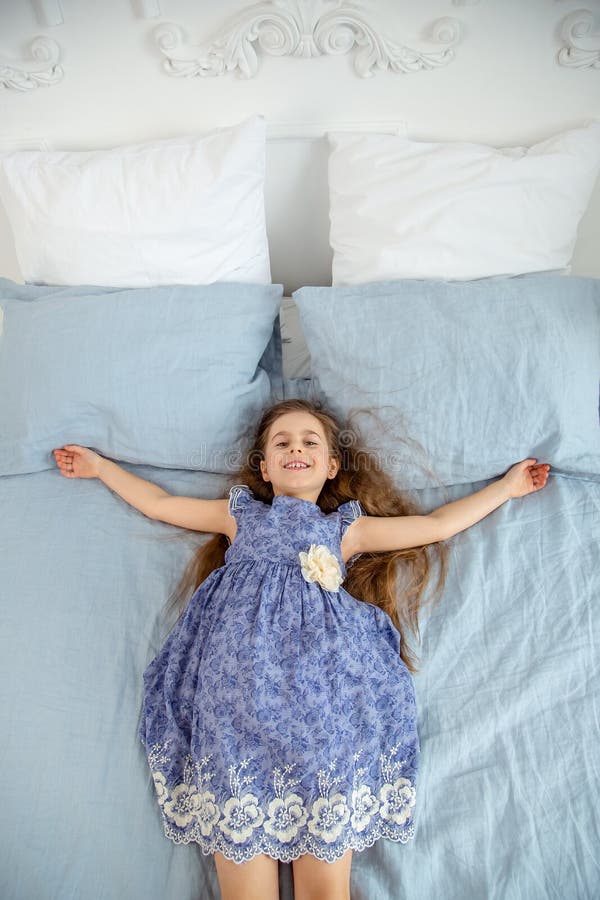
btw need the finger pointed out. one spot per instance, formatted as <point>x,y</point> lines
<point>64,466</point>
<point>540,471</point>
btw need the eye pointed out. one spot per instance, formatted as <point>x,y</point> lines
<point>311,442</point>
<point>281,443</point>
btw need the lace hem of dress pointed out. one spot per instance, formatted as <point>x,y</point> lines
<point>283,824</point>
<point>279,851</point>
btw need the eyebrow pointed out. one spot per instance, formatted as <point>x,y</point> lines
<point>306,431</point>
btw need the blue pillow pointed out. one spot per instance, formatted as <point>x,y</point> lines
<point>481,374</point>
<point>170,376</point>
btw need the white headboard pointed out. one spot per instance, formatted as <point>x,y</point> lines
<point>87,75</point>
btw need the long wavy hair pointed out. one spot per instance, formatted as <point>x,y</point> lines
<point>395,580</point>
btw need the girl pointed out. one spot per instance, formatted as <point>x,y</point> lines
<point>279,717</point>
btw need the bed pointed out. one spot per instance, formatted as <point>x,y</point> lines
<point>476,344</point>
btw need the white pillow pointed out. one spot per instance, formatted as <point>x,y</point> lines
<point>187,210</point>
<point>408,209</point>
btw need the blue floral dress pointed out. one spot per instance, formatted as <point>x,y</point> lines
<point>278,717</point>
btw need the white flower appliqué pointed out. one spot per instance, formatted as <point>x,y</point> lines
<point>321,565</point>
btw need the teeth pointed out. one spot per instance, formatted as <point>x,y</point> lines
<point>296,466</point>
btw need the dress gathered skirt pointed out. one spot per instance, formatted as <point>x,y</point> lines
<point>278,717</point>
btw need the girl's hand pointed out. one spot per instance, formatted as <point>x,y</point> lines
<point>526,476</point>
<point>77,462</point>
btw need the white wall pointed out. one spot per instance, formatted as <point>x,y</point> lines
<point>505,86</point>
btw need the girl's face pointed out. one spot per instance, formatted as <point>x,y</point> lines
<point>297,459</point>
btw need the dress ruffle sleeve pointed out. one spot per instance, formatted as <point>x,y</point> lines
<point>240,496</point>
<point>349,512</point>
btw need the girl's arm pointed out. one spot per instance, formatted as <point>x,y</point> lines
<point>379,533</point>
<point>187,512</point>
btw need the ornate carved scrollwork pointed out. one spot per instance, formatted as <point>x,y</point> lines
<point>583,43</point>
<point>42,70</point>
<point>294,28</point>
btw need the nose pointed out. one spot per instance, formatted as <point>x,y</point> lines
<point>295,451</point>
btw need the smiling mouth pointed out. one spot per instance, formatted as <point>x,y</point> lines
<point>296,465</point>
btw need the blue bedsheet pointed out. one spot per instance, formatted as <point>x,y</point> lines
<point>508,698</point>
